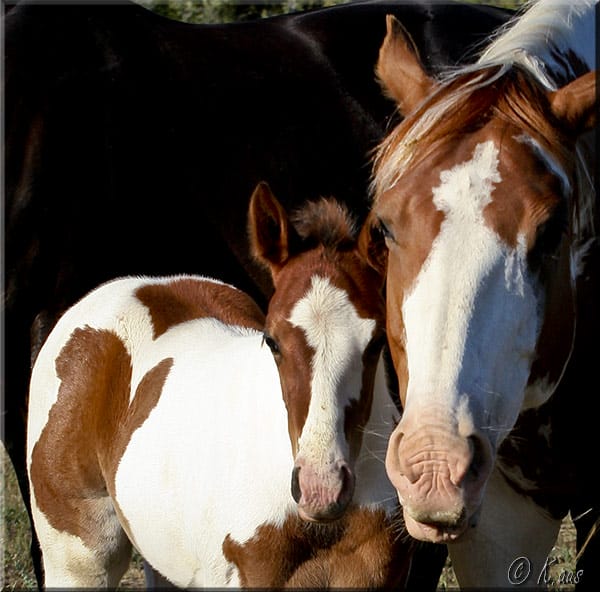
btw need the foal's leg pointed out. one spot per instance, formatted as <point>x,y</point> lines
<point>511,544</point>
<point>79,395</point>
<point>96,557</point>
<point>154,580</point>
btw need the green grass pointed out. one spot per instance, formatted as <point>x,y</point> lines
<point>17,572</point>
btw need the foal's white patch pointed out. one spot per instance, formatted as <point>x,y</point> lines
<point>110,307</point>
<point>67,560</point>
<point>219,422</point>
<point>339,337</point>
<point>471,318</point>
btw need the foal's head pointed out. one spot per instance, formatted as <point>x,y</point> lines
<point>325,327</point>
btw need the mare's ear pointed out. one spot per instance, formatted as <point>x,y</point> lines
<point>372,247</point>
<point>399,68</point>
<point>269,229</point>
<point>575,104</point>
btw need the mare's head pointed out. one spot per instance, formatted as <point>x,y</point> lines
<point>477,197</point>
<point>325,327</point>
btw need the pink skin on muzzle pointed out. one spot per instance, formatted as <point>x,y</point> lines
<point>322,496</point>
<point>440,478</point>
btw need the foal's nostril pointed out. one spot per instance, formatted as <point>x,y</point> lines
<point>296,493</point>
<point>348,482</point>
<point>347,477</point>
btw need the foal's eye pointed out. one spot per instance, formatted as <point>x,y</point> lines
<point>271,344</point>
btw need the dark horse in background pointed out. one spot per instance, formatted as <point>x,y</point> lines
<point>132,144</point>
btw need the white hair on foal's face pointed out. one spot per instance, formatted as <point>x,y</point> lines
<point>338,336</point>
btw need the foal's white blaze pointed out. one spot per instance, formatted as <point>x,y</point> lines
<point>472,317</point>
<point>338,336</point>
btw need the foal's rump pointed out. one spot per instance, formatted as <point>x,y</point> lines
<point>145,408</point>
<point>119,321</point>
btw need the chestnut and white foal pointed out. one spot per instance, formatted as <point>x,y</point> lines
<point>168,414</point>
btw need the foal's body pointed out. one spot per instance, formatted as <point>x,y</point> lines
<point>157,419</point>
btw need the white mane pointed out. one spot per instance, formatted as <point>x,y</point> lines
<point>537,37</point>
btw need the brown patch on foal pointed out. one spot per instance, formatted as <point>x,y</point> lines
<point>187,299</point>
<point>360,550</point>
<point>88,429</point>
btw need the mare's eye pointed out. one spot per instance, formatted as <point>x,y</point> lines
<point>385,230</point>
<point>549,237</point>
<point>271,344</point>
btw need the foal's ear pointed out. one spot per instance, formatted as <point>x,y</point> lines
<point>372,247</point>
<point>399,68</point>
<point>269,228</point>
<point>575,104</point>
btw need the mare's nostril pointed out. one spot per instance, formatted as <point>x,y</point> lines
<point>296,493</point>
<point>479,458</point>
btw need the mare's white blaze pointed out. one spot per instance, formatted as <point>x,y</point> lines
<point>338,336</point>
<point>472,316</point>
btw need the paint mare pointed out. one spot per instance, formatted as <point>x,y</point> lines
<point>483,194</point>
<point>159,416</point>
